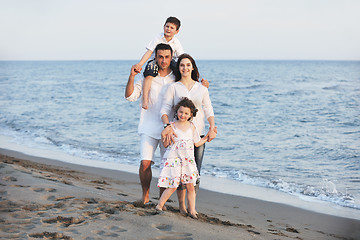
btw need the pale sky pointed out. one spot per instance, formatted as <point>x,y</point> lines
<point>220,29</point>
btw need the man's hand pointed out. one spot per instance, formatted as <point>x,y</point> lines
<point>205,83</point>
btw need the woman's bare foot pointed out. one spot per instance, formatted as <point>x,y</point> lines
<point>183,212</point>
<point>194,215</point>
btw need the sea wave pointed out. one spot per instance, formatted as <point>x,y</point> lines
<point>324,190</point>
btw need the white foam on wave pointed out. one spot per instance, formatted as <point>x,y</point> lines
<point>324,191</point>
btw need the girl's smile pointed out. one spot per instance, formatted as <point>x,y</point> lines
<point>184,114</point>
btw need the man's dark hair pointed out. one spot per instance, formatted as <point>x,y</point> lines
<point>163,46</point>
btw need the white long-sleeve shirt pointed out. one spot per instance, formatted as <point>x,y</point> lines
<point>198,94</point>
<point>150,122</point>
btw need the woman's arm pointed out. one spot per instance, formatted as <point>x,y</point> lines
<point>168,134</point>
<point>164,140</point>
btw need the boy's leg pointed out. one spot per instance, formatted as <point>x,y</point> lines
<point>191,197</point>
<point>151,71</point>
<point>146,91</point>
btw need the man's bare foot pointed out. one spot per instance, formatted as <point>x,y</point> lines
<point>145,200</point>
<point>145,106</point>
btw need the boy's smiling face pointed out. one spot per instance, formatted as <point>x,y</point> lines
<point>170,30</point>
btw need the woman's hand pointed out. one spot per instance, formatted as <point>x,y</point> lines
<point>167,136</point>
<point>211,133</point>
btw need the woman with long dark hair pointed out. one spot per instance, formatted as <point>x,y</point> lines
<point>187,85</point>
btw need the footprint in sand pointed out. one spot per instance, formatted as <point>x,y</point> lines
<point>49,197</point>
<point>9,179</point>
<point>167,229</point>
<point>116,229</point>
<point>37,189</point>
<point>105,234</point>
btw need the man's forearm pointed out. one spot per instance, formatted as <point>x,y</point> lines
<point>129,86</point>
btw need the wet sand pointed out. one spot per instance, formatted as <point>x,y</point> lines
<point>47,199</point>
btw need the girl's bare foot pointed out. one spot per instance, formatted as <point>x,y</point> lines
<point>159,208</point>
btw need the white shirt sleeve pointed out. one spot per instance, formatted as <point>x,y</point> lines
<point>207,106</point>
<point>168,101</point>
<point>156,40</point>
<point>136,93</point>
<point>178,49</point>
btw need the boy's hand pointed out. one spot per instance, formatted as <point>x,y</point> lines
<point>205,83</point>
<point>137,68</point>
<point>133,71</point>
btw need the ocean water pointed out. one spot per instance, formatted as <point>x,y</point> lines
<point>289,126</point>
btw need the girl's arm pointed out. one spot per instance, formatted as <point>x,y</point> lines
<point>202,141</point>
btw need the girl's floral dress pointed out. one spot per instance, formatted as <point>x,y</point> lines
<point>178,164</point>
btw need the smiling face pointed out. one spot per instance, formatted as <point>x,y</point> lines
<point>185,67</point>
<point>170,30</point>
<point>184,114</point>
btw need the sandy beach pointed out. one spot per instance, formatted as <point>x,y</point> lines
<point>48,199</point>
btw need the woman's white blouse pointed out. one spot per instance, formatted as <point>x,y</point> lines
<point>198,94</point>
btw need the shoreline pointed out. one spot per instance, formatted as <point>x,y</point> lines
<point>240,216</point>
<point>216,184</point>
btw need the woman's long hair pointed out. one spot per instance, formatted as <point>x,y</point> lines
<point>194,73</point>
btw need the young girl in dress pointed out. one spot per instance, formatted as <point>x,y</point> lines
<point>178,165</point>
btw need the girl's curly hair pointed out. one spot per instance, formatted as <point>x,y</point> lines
<point>185,102</point>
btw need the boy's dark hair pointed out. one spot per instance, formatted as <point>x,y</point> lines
<point>185,102</point>
<point>173,20</point>
<point>163,46</point>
